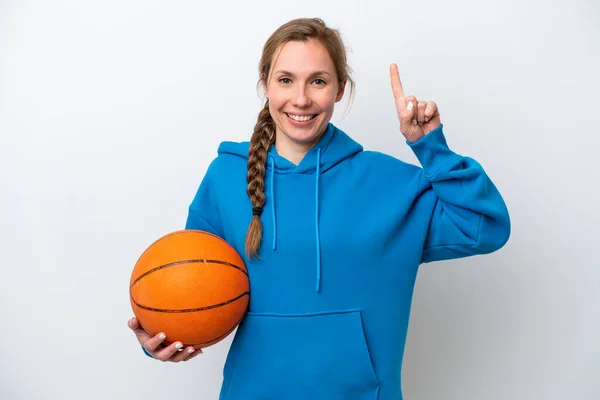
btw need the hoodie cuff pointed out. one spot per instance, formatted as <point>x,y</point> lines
<point>146,352</point>
<point>433,153</point>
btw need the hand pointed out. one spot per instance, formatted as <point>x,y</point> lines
<point>159,351</point>
<point>417,118</point>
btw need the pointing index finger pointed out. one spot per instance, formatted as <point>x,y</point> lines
<point>397,85</point>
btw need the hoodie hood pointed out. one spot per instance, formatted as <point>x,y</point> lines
<point>333,147</point>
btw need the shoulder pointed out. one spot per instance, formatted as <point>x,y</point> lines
<point>384,170</point>
<point>229,165</point>
<point>230,155</point>
<point>234,148</point>
<point>386,162</point>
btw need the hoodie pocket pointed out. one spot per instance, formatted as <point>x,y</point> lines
<point>315,356</point>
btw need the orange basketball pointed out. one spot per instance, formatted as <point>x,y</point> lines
<point>191,285</point>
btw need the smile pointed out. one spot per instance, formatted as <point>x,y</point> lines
<point>301,118</point>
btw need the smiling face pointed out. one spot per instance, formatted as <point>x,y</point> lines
<point>302,89</point>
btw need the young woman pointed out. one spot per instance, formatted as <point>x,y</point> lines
<point>332,235</point>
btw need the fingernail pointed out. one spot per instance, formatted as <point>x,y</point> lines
<point>178,346</point>
<point>414,121</point>
<point>162,336</point>
<point>410,106</point>
<point>190,351</point>
<point>426,119</point>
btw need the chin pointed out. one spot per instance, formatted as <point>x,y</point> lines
<point>302,138</point>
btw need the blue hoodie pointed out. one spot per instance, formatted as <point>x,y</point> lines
<point>344,234</point>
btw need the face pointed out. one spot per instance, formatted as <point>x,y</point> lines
<point>302,90</point>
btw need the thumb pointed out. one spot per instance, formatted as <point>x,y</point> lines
<point>407,115</point>
<point>410,111</point>
<point>134,325</point>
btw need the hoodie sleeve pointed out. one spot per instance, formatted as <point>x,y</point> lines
<point>469,215</point>
<point>203,212</point>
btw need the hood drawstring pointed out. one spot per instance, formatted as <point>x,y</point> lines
<point>273,200</point>
<point>317,239</point>
<point>317,219</point>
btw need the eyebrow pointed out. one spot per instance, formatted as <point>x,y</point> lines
<point>283,72</point>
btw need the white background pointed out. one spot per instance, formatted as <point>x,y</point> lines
<point>110,112</point>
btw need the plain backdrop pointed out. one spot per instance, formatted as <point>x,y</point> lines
<point>110,112</point>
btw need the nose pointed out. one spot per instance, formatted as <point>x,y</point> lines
<point>301,99</point>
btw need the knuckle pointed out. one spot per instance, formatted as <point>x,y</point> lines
<point>177,358</point>
<point>150,345</point>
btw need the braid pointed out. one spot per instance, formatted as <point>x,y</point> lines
<point>262,138</point>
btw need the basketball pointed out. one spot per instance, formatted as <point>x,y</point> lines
<point>191,285</point>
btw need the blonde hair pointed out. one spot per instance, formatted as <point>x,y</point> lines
<point>301,29</point>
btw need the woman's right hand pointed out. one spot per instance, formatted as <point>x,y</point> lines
<point>153,345</point>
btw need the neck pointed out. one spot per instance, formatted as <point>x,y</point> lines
<point>291,150</point>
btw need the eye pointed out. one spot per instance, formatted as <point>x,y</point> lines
<point>320,80</point>
<point>285,80</point>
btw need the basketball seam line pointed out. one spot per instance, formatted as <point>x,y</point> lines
<point>175,263</point>
<point>184,310</point>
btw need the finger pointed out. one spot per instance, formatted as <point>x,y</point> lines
<point>397,88</point>
<point>153,343</point>
<point>421,112</point>
<point>184,354</point>
<point>167,353</point>
<point>133,323</point>
<point>179,355</point>
<point>430,111</point>
<point>140,333</point>
<point>194,354</point>
<point>409,115</point>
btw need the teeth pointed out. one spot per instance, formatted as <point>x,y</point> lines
<point>299,118</point>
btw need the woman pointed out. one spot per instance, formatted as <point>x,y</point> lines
<point>335,234</point>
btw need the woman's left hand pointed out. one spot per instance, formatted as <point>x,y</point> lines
<point>417,118</point>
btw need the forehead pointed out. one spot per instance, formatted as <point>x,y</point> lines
<point>302,57</point>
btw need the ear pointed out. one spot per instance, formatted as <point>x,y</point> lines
<point>340,92</point>
<point>263,82</point>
